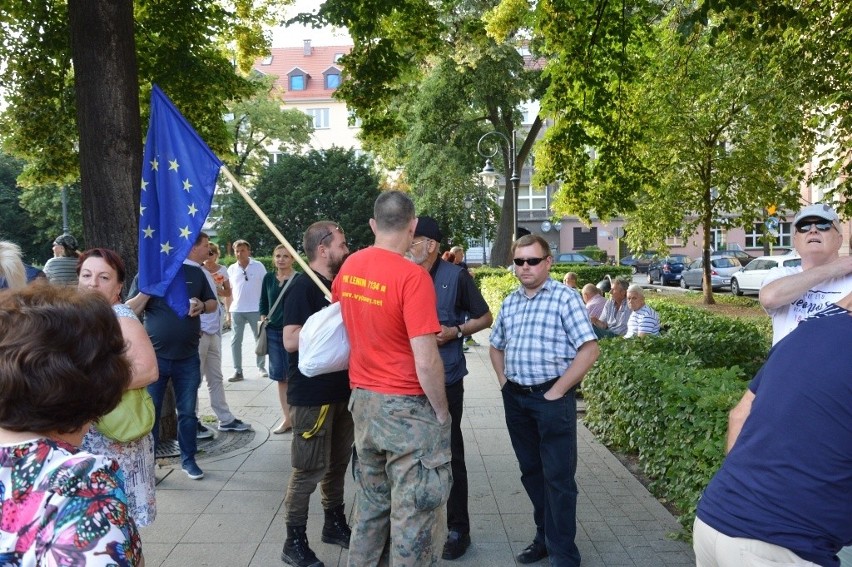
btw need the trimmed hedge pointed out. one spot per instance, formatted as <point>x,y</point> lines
<point>667,398</point>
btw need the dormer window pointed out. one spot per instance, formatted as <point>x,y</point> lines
<point>266,60</point>
<point>297,80</point>
<point>331,78</point>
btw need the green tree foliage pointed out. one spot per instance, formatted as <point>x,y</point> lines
<point>257,123</point>
<point>807,41</point>
<point>335,184</point>
<point>698,131</point>
<point>426,81</point>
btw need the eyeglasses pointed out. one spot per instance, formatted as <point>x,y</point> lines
<point>806,227</point>
<point>245,274</point>
<point>530,261</point>
<point>413,244</point>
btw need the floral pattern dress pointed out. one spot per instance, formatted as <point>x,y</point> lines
<point>136,459</point>
<point>59,506</point>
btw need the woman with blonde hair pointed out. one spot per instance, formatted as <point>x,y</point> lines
<point>275,284</point>
<point>13,274</point>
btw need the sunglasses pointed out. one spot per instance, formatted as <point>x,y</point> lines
<point>806,227</point>
<point>530,261</point>
<point>245,274</point>
<point>329,233</point>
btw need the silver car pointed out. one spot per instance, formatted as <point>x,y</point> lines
<point>751,277</point>
<point>721,269</point>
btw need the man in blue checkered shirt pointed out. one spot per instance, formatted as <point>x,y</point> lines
<point>542,345</point>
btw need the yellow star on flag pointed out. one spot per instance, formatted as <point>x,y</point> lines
<point>166,248</point>
<point>173,165</point>
<point>141,210</point>
<point>192,209</point>
<point>187,185</point>
<point>184,232</point>
<point>149,232</point>
<point>144,185</point>
<point>155,165</point>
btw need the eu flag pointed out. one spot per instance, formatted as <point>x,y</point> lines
<point>179,175</point>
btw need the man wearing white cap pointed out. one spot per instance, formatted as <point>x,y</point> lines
<point>791,295</point>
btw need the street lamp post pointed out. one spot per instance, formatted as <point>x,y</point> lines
<point>64,209</point>
<point>468,203</point>
<point>489,176</point>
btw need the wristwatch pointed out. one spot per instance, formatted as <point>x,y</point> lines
<point>459,334</point>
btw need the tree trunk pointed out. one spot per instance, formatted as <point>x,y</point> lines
<point>106,87</point>
<point>107,96</point>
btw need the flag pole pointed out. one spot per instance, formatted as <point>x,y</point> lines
<point>296,256</point>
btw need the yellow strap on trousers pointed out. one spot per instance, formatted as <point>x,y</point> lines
<point>318,425</point>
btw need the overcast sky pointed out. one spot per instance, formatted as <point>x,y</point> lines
<point>295,35</point>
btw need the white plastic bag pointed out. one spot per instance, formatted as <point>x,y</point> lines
<point>323,343</point>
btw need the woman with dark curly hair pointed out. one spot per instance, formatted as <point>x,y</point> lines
<point>102,270</point>
<point>62,366</point>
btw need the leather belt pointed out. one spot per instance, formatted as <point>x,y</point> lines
<point>534,389</point>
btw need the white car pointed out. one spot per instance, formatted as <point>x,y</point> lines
<point>750,278</point>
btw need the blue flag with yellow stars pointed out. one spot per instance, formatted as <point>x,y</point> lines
<point>179,175</point>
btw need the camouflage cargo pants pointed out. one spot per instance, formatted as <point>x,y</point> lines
<point>402,479</point>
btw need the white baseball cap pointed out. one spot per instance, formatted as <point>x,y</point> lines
<point>818,210</point>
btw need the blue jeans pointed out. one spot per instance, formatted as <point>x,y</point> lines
<point>185,375</point>
<point>544,437</point>
<point>279,361</point>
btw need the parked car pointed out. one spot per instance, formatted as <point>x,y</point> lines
<point>639,262</point>
<point>740,255</point>
<point>721,269</point>
<point>575,258</point>
<point>750,278</point>
<point>667,270</point>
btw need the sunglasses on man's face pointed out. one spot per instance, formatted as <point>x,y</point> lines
<point>530,261</point>
<point>806,227</point>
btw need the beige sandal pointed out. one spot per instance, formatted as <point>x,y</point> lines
<point>283,428</point>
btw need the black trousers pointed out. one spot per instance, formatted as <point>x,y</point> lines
<point>458,518</point>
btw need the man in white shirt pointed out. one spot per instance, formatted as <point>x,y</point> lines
<point>791,295</point>
<point>246,279</point>
<point>210,351</point>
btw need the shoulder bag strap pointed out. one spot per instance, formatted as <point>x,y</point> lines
<point>283,291</point>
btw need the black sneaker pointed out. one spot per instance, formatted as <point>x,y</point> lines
<point>456,545</point>
<point>237,377</point>
<point>202,432</point>
<point>536,551</point>
<point>235,425</point>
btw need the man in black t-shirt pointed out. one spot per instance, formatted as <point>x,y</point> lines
<point>175,342</point>
<point>322,425</point>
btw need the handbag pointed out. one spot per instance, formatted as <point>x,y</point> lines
<point>323,343</point>
<point>262,347</point>
<point>132,418</point>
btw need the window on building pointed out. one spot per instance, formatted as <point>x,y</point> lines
<point>676,240</point>
<point>717,238</point>
<point>275,157</point>
<point>532,198</point>
<point>320,116</point>
<point>752,239</point>
<point>784,239</point>
<point>266,60</point>
<point>353,120</point>
<point>585,236</point>
<point>337,56</point>
<point>297,82</point>
<point>332,80</point>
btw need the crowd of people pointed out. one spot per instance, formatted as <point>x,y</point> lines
<point>395,414</point>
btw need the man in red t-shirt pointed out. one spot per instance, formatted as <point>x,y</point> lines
<point>398,402</point>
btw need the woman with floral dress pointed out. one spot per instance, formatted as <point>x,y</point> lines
<point>62,366</point>
<point>102,270</point>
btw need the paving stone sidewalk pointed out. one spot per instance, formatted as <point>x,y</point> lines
<point>234,517</point>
